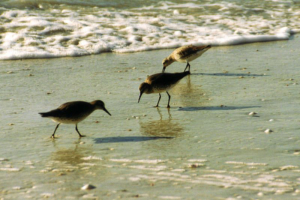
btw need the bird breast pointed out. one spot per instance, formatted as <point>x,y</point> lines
<point>68,120</point>
<point>162,88</point>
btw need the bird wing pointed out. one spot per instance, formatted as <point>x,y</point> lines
<point>164,79</point>
<point>152,78</point>
<point>73,108</point>
<point>172,78</point>
<point>189,50</point>
<point>59,112</point>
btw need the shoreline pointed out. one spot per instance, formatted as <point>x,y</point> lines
<point>282,35</point>
<point>217,149</point>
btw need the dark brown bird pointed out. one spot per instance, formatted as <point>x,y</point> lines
<point>73,113</point>
<point>184,54</point>
<point>161,82</point>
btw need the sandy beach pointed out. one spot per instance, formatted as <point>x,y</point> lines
<point>206,146</point>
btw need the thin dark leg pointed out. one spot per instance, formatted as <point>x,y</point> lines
<point>169,100</point>
<point>158,100</point>
<point>55,131</point>
<point>78,132</point>
<point>187,66</point>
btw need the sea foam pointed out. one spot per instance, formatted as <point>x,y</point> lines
<point>60,31</point>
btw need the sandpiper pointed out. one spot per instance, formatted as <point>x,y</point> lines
<point>161,82</point>
<point>73,112</point>
<point>184,54</point>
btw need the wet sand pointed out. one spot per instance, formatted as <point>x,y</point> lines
<point>206,146</point>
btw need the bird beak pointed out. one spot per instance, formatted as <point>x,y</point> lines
<point>106,111</point>
<point>163,69</point>
<point>140,97</point>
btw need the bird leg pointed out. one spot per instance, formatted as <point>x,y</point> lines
<point>158,100</point>
<point>169,100</point>
<point>78,132</point>
<point>187,66</point>
<point>55,131</point>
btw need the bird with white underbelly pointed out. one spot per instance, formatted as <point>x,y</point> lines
<point>73,113</point>
<point>161,82</point>
<point>184,54</point>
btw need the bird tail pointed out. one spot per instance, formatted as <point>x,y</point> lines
<point>44,114</point>
<point>181,75</point>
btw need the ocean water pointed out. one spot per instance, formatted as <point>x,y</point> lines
<point>60,28</point>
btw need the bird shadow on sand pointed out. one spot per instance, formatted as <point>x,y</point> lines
<point>127,139</point>
<point>229,74</point>
<point>212,108</point>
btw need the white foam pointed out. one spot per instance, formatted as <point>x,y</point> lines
<point>150,161</point>
<point>9,169</point>
<point>265,183</point>
<point>244,163</point>
<point>142,167</point>
<point>65,32</point>
<point>197,160</point>
<point>288,167</point>
<point>169,197</point>
<point>124,160</point>
<point>91,158</point>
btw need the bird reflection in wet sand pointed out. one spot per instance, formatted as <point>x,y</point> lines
<point>71,157</point>
<point>191,93</point>
<point>78,161</point>
<point>161,127</point>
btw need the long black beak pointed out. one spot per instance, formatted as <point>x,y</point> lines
<point>140,97</point>
<point>163,70</point>
<point>106,111</point>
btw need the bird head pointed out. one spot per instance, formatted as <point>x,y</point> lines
<point>144,88</point>
<point>166,62</point>
<point>100,105</point>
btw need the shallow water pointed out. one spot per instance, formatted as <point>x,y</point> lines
<point>206,146</point>
<point>61,28</point>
